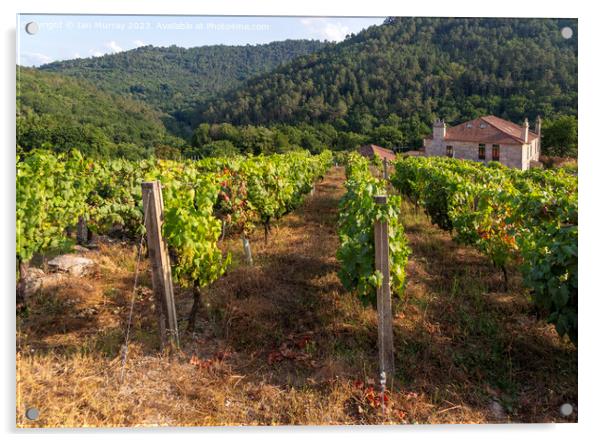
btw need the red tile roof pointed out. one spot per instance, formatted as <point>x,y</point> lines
<point>496,130</point>
<point>370,150</point>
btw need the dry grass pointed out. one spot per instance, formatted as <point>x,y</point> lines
<point>556,162</point>
<point>281,342</point>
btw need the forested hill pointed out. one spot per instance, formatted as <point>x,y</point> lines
<point>61,113</point>
<point>383,85</point>
<point>416,67</point>
<point>173,79</point>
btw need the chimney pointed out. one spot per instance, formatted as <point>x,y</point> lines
<point>538,126</point>
<point>439,129</point>
<point>526,130</point>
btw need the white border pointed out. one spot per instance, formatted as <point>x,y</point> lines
<point>590,198</point>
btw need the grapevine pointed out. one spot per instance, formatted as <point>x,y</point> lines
<point>529,218</point>
<point>357,213</point>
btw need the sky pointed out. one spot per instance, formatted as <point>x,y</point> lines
<point>62,37</point>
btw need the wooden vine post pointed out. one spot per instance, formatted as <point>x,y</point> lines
<point>247,248</point>
<point>383,296</point>
<point>385,170</point>
<point>152,199</point>
<point>82,231</point>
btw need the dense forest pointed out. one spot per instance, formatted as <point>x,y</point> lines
<point>384,85</point>
<point>62,113</point>
<point>416,68</point>
<point>174,79</point>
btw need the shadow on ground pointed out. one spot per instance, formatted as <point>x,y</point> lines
<point>281,342</point>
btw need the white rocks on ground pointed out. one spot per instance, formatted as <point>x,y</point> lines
<point>72,264</point>
<point>497,409</point>
<point>36,280</point>
<point>33,280</point>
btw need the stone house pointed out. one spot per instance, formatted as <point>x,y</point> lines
<point>487,139</point>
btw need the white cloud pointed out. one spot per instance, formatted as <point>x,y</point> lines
<point>34,59</point>
<point>138,43</point>
<point>113,46</point>
<point>327,29</point>
<point>110,47</point>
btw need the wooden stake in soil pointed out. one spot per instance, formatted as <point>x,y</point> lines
<point>82,231</point>
<point>157,249</point>
<point>383,296</point>
<point>385,171</point>
<point>247,248</point>
<point>22,285</point>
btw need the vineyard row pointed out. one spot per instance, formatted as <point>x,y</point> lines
<point>527,219</point>
<point>202,200</point>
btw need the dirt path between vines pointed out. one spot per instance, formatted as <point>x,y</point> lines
<point>281,342</point>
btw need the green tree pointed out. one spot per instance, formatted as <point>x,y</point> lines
<point>219,148</point>
<point>387,136</point>
<point>350,140</point>
<point>559,137</point>
<point>168,152</point>
<point>201,135</point>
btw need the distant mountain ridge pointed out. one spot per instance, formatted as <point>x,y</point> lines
<point>454,68</point>
<point>175,79</point>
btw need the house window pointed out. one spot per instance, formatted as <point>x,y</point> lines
<point>450,151</point>
<point>481,151</point>
<point>495,152</point>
